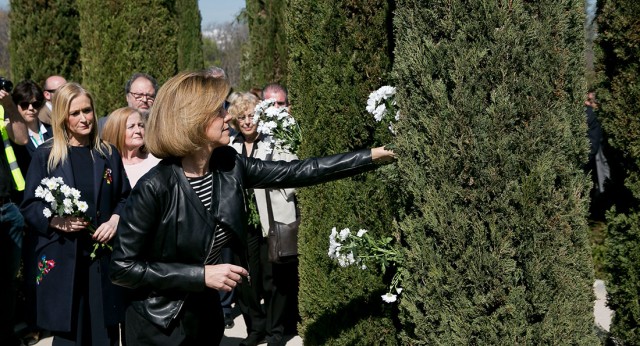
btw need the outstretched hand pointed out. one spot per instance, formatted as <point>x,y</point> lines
<point>223,277</point>
<point>382,155</point>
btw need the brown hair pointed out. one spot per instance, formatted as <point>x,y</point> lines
<point>115,129</point>
<point>184,106</point>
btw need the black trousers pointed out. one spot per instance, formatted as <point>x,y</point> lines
<point>277,284</point>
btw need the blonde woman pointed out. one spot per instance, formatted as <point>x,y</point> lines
<point>125,129</point>
<point>192,204</point>
<point>75,299</point>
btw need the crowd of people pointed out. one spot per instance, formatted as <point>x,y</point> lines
<point>165,242</point>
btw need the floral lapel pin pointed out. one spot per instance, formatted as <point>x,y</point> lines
<point>107,175</point>
<point>44,267</point>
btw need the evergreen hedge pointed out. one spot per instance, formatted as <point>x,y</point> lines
<point>121,37</point>
<point>266,58</point>
<point>338,53</point>
<point>190,54</point>
<point>490,145</point>
<point>44,40</point>
<point>619,92</point>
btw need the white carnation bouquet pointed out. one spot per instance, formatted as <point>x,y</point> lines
<point>279,124</point>
<point>64,201</point>
<point>382,104</point>
<point>362,250</point>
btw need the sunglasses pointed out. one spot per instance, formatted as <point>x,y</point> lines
<point>34,104</point>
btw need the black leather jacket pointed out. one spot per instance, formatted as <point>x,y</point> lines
<point>165,232</point>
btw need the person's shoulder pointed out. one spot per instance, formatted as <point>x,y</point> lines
<point>225,158</point>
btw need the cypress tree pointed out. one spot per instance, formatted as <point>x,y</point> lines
<point>339,53</point>
<point>44,40</point>
<point>619,113</point>
<point>190,55</point>
<point>266,61</point>
<point>122,37</point>
<point>490,144</point>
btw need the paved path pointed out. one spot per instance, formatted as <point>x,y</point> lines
<point>233,336</point>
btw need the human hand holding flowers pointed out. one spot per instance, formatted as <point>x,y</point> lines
<point>106,231</point>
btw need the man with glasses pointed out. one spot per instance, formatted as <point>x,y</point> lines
<point>140,91</point>
<point>51,84</point>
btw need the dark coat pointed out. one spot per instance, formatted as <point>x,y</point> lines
<point>23,157</point>
<point>55,292</point>
<point>165,232</point>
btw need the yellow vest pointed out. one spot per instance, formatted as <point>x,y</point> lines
<point>11,156</point>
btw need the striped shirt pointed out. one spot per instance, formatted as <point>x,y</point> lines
<point>203,187</point>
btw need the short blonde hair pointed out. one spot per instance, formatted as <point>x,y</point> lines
<point>115,129</point>
<point>61,104</point>
<point>239,105</point>
<point>185,105</point>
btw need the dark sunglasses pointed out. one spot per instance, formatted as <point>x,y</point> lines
<point>34,104</point>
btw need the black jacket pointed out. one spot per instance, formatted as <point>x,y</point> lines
<point>165,232</point>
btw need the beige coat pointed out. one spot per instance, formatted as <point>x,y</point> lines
<point>283,200</point>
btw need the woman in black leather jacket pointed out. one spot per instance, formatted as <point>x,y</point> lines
<point>185,209</point>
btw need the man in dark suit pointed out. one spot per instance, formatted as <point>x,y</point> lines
<point>50,86</point>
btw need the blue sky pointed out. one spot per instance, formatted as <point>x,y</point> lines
<point>212,11</point>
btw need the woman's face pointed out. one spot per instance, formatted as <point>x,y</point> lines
<point>217,131</point>
<point>80,120</point>
<point>134,134</point>
<point>29,110</point>
<point>246,125</point>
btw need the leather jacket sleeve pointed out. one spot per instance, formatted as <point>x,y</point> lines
<point>279,174</point>
<point>133,262</point>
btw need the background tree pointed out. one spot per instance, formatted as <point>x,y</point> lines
<point>224,46</point>
<point>122,37</point>
<point>266,61</point>
<point>618,67</point>
<point>5,68</point>
<point>190,56</point>
<point>44,39</point>
<point>339,52</point>
<point>490,143</point>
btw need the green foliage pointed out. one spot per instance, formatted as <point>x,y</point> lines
<point>122,37</point>
<point>623,274</point>
<point>266,61</point>
<point>338,53</point>
<point>190,55</point>
<point>211,52</point>
<point>490,144</point>
<point>44,40</point>
<point>619,92</point>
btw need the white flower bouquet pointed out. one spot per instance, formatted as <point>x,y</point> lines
<point>382,104</point>
<point>279,124</point>
<point>362,250</point>
<point>64,201</point>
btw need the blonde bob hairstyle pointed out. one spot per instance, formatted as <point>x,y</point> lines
<point>240,105</point>
<point>185,105</point>
<point>60,114</point>
<point>115,129</point>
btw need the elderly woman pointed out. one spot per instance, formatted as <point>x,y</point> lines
<point>192,204</point>
<point>75,299</point>
<point>275,283</point>
<point>125,129</point>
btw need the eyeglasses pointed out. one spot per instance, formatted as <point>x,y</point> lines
<point>141,96</point>
<point>245,118</point>
<point>34,104</point>
<point>51,91</point>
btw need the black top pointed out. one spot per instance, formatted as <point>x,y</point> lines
<point>82,167</point>
<point>6,179</point>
